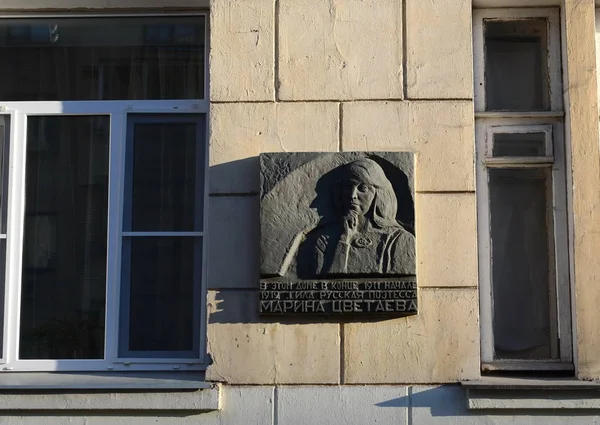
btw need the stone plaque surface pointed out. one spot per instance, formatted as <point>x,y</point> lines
<point>337,233</point>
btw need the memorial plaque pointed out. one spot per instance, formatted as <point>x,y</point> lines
<point>337,233</point>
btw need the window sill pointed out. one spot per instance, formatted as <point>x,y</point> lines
<point>107,391</point>
<point>492,393</point>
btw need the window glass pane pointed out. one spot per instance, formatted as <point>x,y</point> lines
<point>516,65</point>
<point>166,188</point>
<point>102,58</point>
<point>519,144</point>
<point>162,307</point>
<point>64,252</point>
<point>521,263</point>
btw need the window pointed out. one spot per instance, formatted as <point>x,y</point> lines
<point>102,210</point>
<point>521,191</point>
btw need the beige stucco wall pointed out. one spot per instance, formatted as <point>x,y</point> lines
<point>582,131</point>
<point>344,75</point>
<point>319,83</point>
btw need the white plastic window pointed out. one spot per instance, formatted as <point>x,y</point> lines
<point>103,233</point>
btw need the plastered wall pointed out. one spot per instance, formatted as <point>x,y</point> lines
<point>343,75</point>
<point>582,113</point>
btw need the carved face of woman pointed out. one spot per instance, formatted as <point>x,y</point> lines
<point>357,196</point>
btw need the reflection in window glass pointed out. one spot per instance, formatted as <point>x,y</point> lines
<point>161,271</point>
<point>64,246</point>
<point>519,144</point>
<point>516,65</point>
<point>164,177</point>
<point>102,58</point>
<point>521,262</point>
<point>163,277</point>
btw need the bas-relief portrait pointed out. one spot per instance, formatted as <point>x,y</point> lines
<point>364,238</point>
<point>337,215</point>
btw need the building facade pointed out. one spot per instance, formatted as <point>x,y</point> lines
<point>131,209</point>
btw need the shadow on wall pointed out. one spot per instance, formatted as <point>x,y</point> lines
<point>450,401</point>
<point>234,259</point>
<point>241,306</point>
<point>454,401</point>
<point>235,177</point>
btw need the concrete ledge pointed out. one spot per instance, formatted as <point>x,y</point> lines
<point>518,393</point>
<point>48,397</point>
<point>104,381</point>
<point>197,401</point>
<point>107,391</point>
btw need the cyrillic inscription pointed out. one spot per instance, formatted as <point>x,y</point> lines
<point>326,297</point>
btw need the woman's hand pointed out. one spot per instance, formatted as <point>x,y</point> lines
<point>350,223</point>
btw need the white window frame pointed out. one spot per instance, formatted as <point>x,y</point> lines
<point>545,129</point>
<point>554,52</point>
<point>551,123</point>
<point>118,111</point>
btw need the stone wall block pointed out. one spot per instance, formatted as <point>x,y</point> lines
<point>249,349</point>
<point>241,50</point>
<point>439,132</point>
<point>439,49</point>
<point>444,136</point>
<point>342,405</point>
<point>340,49</point>
<point>376,126</point>
<point>240,131</point>
<point>233,240</point>
<point>245,405</point>
<point>446,228</point>
<point>440,344</point>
